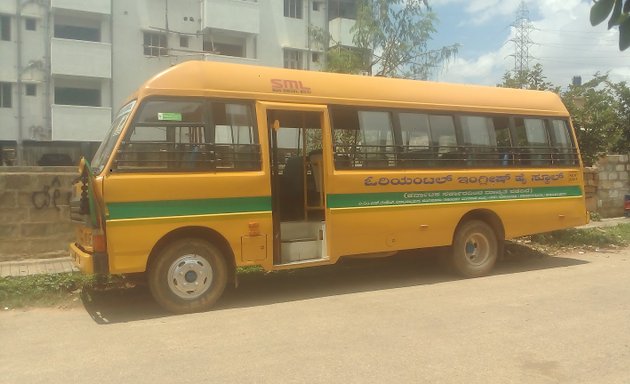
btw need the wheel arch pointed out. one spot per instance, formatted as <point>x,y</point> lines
<point>197,232</point>
<point>489,217</point>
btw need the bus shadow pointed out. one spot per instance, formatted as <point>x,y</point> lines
<point>346,277</point>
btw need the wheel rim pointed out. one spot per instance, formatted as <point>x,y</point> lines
<point>477,249</point>
<point>190,276</point>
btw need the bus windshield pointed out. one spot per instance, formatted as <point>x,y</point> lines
<point>107,146</point>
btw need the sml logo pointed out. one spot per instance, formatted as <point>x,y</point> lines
<point>288,86</point>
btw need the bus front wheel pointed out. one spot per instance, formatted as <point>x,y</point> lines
<point>475,249</point>
<point>188,275</point>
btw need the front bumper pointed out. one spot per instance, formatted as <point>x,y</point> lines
<point>81,259</point>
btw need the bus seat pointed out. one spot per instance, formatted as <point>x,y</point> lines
<point>422,158</point>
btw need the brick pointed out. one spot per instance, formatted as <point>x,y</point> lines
<point>12,215</point>
<point>9,231</point>
<point>603,176</point>
<point>11,249</point>
<point>623,175</point>
<point>8,199</point>
<point>45,215</point>
<point>604,185</point>
<point>614,159</point>
<point>613,176</point>
<point>49,245</point>
<point>40,230</point>
<point>620,167</point>
<point>618,184</point>
<point>17,181</point>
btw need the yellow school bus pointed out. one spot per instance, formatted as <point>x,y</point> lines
<point>213,166</point>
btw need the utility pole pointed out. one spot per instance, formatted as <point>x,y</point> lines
<point>522,40</point>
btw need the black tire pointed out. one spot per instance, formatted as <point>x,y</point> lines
<point>475,249</point>
<point>188,275</point>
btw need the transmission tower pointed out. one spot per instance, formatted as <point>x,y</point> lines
<point>522,40</point>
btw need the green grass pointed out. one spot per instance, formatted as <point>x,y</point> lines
<point>42,290</point>
<point>603,237</point>
<point>60,289</point>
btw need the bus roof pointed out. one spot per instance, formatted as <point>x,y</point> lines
<point>225,80</point>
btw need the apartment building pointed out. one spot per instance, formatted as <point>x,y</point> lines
<point>67,65</point>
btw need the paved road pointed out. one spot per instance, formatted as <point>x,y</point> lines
<point>538,319</point>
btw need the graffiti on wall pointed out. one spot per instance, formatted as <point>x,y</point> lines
<point>51,196</point>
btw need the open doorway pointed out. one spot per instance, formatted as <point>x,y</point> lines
<point>297,185</point>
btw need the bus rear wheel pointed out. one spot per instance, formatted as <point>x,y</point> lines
<point>188,275</point>
<point>475,249</point>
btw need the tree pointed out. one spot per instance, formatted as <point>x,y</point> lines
<point>391,39</point>
<point>528,79</point>
<point>593,109</point>
<point>619,16</point>
<point>621,93</point>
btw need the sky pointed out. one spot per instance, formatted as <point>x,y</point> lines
<point>564,42</point>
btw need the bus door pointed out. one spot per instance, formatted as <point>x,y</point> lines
<point>298,183</point>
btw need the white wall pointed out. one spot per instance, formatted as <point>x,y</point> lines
<point>77,123</point>
<point>94,59</point>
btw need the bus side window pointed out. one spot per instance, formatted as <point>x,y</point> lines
<point>235,137</point>
<point>532,141</point>
<point>562,143</point>
<point>479,140</point>
<point>363,139</point>
<point>345,125</point>
<point>444,139</point>
<point>416,141</point>
<point>377,139</point>
<point>504,140</point>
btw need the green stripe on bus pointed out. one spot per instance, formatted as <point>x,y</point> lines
<point>453,196</point>
<point>152,209</point>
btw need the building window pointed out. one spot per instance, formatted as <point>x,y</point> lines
<point>184,41</point>
<point>315,57</point>
<point>155,44</point>
<point>30,24</point>
<point>31,90</point>
<point>78,96</point>
<point>225,44</point>
<point>293,59</point>
<point>74,32</point>
<point>5,28</point>
<point>316,6</point>
<point>345,9</point>
<point>5,95</point>
<point>293,8</point>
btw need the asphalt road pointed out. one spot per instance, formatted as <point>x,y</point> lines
<point>538,319</point>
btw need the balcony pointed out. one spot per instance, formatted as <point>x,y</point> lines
<point>81,58</point>
<point>232,15</point>
<point>230,59</point>
<point>103,7</point>
<point>77,123</point>
<point>339,30</point>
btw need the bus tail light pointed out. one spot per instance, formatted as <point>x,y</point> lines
<point>99,244</point>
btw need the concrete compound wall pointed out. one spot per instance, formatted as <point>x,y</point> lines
<point>35,216</point>
<point>34,212</point>
<point>612,184</point>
